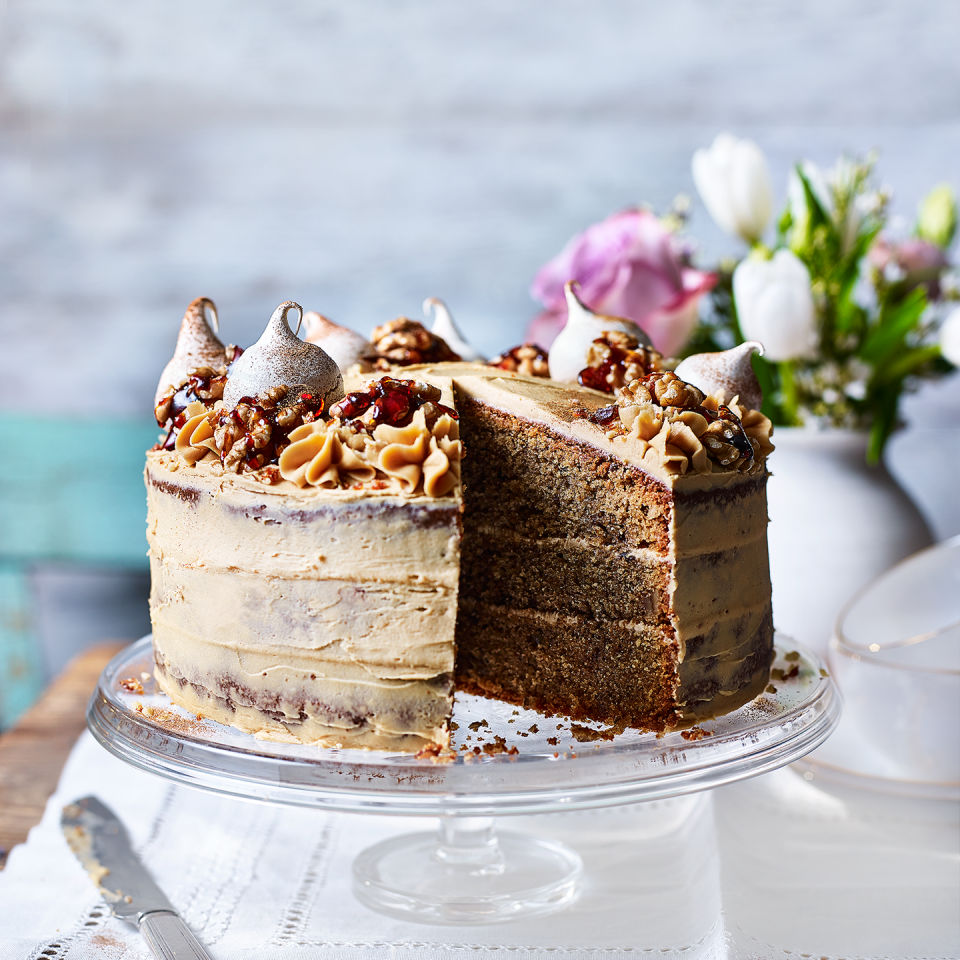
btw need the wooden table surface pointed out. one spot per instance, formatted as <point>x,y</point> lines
<point>34,750</point>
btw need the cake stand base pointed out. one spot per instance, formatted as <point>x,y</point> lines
<point>467,874</point>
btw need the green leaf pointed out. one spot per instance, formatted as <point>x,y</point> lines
<point>893,325</point>
<point>788,388</point>
<point>884,421</point>
<point>767,378</point>
<point>817,214</point>
<point>905,363</point>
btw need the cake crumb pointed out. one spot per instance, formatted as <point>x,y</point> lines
<point>477,724</point>
<point>132,685</point>
<point>454,725</point>
<point>823,672</point>
<point>794,671</point>
<point>173,721</point>
<point>770,688</point>
<point>534,729</point>
<point>695,733</point>
<point>792,655</point>
<point>437,753</point>
<point>584,734</point>
<point>498,746</point>
<point>553,741</point>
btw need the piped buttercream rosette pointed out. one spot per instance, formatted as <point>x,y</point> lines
<point>415,458</point>
<point>681,430</point>
<point>195,441</point>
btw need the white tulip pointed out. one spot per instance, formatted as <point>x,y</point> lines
<point>775,305</point>
<point>733,180</point>
<point>950,337</point>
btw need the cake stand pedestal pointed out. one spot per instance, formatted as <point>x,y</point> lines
<point>508,761</point>
<point>468,873</point>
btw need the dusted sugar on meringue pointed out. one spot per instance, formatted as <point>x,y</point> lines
<point>197,347</point>
<point>727,374</point>
<point>279,357</point>
<point>344,346</point>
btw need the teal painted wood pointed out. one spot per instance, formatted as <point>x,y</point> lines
<point>21,672</point>
<point>73,490</point>
<point>70,491</point>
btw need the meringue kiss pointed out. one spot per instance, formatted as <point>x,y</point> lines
<point>728,372</point>
<point>197,346</point>
<point>343,345</point>
<point>568,355</point>
<point>446,330</point>
<point>281,358</point>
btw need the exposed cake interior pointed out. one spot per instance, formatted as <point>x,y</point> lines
<point>591,588</point>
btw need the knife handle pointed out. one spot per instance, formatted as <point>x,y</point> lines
<point>170,938</point>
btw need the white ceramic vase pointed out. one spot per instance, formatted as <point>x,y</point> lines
<point>835,524</point>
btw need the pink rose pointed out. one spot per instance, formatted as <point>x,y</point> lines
<point>913,261</point>
<point>629,265</point>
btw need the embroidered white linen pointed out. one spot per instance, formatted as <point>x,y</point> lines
<point>771,867</point>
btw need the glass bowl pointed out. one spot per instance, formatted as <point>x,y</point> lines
<point>895,655</point>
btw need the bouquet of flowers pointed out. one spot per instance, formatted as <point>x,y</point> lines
<point>850,315</point>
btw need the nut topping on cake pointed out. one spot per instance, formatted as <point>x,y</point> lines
<point>527,359</point>
<point>615,359</point>
<point>569,351</point>
<point>680,429</point>
<point>404,342</point>
<point>204,386</point>
<point>394,436</point>
<point>391,402</point>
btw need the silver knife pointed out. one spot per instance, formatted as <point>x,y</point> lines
<point>102,846</point>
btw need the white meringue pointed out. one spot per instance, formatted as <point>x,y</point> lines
<point>197,346</point>
<point>446,329</point>
<point>343,345</point>
<point>281,358</point>
<point>728,372</point>
<point>568,355</point>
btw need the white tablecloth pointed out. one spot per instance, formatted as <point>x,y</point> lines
<point>774,867</point>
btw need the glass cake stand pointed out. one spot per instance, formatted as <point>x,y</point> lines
<point>509,761</point>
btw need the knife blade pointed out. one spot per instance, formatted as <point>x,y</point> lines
<point>100,842</point>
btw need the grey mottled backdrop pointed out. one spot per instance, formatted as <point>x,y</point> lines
<point>360,156</point>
